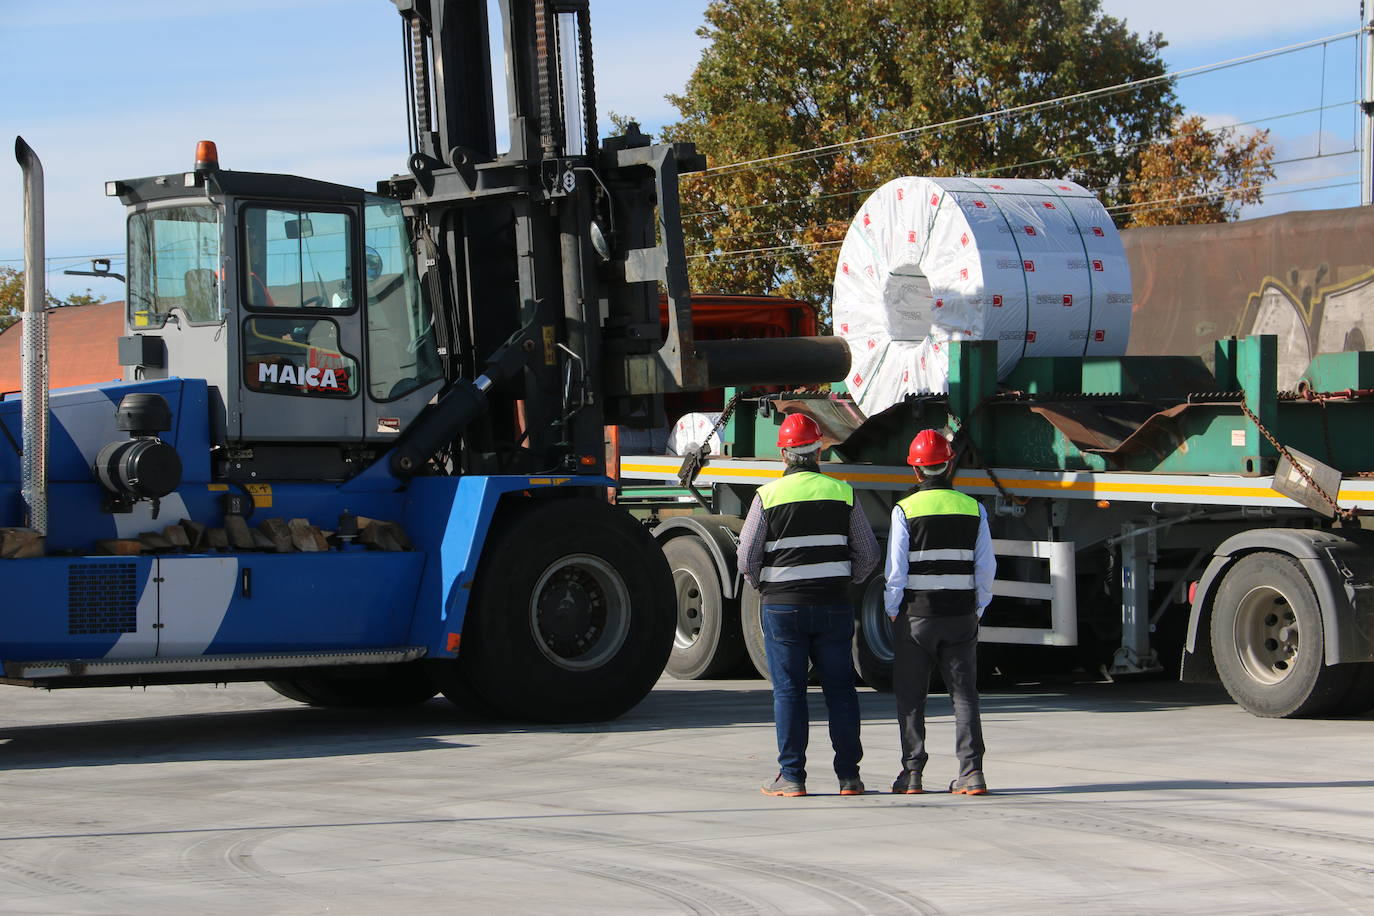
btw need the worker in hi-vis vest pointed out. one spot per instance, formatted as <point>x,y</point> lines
<point>940,568</point>
<point>805,540</point>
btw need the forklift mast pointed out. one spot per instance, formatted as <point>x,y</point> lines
<point>554,248</point>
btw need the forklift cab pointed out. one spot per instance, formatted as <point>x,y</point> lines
<point>297,300</point>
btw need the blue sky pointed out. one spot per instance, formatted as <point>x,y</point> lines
<point>115,90</point>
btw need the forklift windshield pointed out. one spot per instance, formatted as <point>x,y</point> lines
<point>174,262</point>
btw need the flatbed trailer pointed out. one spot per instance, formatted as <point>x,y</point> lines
<point>1244,574</point>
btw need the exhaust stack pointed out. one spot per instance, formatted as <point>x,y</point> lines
<point>34,358</point>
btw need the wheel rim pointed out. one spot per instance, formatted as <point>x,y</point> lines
<point>689,608</point>
<point>1266,635</point>
<point>580,612</point>
<point>873,621</point>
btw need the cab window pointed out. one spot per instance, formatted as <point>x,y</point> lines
<point>297,258</point>
<point>298,355</point>
<point>174,263</point>
<point>403,352</point>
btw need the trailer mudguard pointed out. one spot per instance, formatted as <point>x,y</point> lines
<point>1341,569</point>
<point>720,534</point>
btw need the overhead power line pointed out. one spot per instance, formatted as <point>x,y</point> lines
<point>1128,86</point>
<point>1048,160</point>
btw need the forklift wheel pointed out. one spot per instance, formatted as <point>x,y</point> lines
<point>572,614</point>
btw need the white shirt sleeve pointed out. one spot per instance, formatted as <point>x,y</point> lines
<point>898,559</point>
<point>984,562</point>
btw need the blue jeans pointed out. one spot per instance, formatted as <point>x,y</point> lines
<point>794,634</point>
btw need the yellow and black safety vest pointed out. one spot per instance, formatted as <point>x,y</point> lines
<point>942,526</point>
<point>806,550</point>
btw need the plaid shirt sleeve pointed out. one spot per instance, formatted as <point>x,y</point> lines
<point>751,537</point>
<point>863,546</point>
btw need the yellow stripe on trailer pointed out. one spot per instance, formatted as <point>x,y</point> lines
<point>1126,486</point>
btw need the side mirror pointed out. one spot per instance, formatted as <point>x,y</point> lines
<point>299,228</point>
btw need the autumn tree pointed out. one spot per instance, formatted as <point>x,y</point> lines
<point>938,82</point>
<point>12,297</point>
<point>1199,175</point>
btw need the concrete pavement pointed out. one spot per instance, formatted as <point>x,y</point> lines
<point>1139,798</point>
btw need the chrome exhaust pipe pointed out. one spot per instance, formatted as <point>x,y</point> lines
<point>34,356</point>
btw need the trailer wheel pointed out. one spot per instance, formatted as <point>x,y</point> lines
<point>751,627</point>
<point>1360,698</point>
<point>708,642</point>
<point>1267,640</point>
<point>571,618</point>
<point>873,649</point>
<point>405,685</point>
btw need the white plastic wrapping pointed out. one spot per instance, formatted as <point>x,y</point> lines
<point>691,429</point>
<point>1037,266</point>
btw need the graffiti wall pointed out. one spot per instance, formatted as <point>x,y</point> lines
<point>1307,277</point>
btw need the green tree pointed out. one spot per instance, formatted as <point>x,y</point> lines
<point>12,297</point>
<point>782,76</point>
<point>1199,175</point>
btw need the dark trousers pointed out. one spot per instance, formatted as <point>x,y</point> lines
<point>920,645</point>
<point>822,633</point>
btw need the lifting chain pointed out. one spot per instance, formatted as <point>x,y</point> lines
<point>1345,515</point>
<point>697,458</point>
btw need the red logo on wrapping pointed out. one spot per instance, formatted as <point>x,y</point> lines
<point>1048,205</point>
<point>996,301</point>
<point>939,303</point>
<point>1064,187</point>
<point>1030,230</point>
<point>906,375</point>
<point>936,347</point>
<point>980,205</point>
<point>858,379</point>
<point>866,219</point>
<point>911,236</point>
<point>963,273</point>
<point>869,270</point>
<point>1029,266</point>
<point>844,328</point>
<point>1099,336</point>
<point>996,187</point>
<point>872,343</point>
<point>963,239</point>
<point>844,267</point>
<point>1068,299</point>
<point>1097,265</point>
<point>1097,231</point>
<point>900,193</point>
<point>923,363</point>
<point>934,200</point>
<point>1030,337</point>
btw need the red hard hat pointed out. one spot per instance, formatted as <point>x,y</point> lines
<point>798,430</point>
<point>929,447</point>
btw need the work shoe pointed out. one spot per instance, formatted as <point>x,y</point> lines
<point>909,783</point>
<point>852,786</point>
<point>972,784</point>
<point>784,787</point>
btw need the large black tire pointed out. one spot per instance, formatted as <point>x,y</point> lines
<point>1268,638</point>
<point>402,685</point>
<point>873,648</point>
<point>571,617</point>
<point>1359,699</point>
<point>751,627</point>
<point>708,642</point>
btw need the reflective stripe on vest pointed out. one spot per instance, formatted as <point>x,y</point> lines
<point>942,525</point>
<point>807,520</point>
